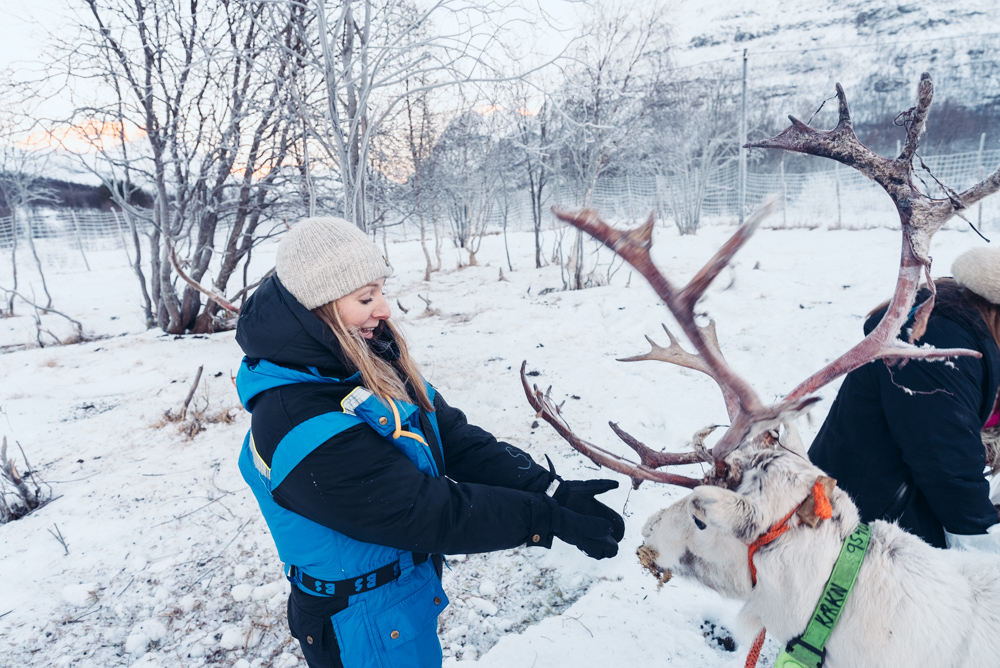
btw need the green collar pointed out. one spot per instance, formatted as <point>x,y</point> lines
<point>807,650</point>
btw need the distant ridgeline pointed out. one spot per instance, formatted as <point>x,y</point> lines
<point>57,194</point>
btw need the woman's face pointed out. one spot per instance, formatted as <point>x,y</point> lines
<point>363,309</point>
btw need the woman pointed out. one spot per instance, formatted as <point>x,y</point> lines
<point>906,441</point>
<point>364,474</point>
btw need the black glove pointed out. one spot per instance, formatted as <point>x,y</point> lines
<point>578,496</point>
<point>591,534</point>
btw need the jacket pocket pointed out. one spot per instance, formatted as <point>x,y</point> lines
<point>407,630</point>
<point>389,632</point>
<point>357,639</point>
<point>316,637</point>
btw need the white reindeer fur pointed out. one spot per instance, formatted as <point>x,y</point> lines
<point>913,605</point>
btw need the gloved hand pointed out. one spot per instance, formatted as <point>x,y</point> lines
<point>591,534</point>
<point>578,496</point>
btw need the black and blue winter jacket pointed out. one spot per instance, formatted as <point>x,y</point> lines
<point>484,495</point>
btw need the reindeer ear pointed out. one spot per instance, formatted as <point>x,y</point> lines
<point>726,511</point>
<point>816,507</point>
<point>790,439</point>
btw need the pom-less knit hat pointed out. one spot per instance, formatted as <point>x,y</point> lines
<point>978,270</point>
<point>323,259</point>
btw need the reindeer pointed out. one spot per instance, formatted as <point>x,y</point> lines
<point>766,526</point>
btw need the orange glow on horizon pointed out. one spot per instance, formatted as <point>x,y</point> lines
<point>257,174</point>
<point>87,137</point>
<point>484,109</point>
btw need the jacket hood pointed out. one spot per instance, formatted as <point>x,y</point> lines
<point>274,326</point>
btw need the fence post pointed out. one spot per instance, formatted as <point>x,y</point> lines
<point>784,192</point>
<point>79,241</point>
<point>660,211</point>
<point>743,140</point>
<point>836,176</point>
<point>631,197</point>
<point>121,235</point>
<point>982,142</point>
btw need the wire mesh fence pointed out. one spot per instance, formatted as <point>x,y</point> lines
<point>87,228</point>
<point>835,198</point>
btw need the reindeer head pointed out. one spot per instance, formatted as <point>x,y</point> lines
<point>706,534</point>
<point>745,490</point>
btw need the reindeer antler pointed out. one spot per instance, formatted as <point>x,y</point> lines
<point>920,218</point>
<point>650,460</point>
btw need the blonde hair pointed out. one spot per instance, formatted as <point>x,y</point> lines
<point>382,378</point>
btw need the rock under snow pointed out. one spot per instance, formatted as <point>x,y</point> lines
<point>241,592</point>
<point>482,606</point>
<point>232,637</point>
<point>80,594</point>
<point>136,643</point>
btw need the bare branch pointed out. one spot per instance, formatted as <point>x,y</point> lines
<point>542,403</point>
<point>221,301</point>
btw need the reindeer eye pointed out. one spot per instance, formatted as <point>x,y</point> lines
<point>698,523</point>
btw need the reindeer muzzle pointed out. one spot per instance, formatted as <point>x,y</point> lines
<point>647,557</point>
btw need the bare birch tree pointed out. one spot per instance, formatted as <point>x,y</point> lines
<point>692,134</point>
<point>202,92</point>
<point>22,188</point>
<point>534,138</point>
<point>371,56</point>
<point>617,66</point>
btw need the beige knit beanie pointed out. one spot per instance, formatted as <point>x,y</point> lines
<point>323,259</point>
<point>978,270</point>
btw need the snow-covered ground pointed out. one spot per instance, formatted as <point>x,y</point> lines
<point>167,561</point>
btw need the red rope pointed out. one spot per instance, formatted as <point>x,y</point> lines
<point>771,535</point>
<point>754,654</point>
<point>823,508</point>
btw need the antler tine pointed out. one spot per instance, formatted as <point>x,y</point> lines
<point>542,403</point>
<point>696,287</point>
<point>917,119</point>
<point>654,459</point>
<point>675,354</point>
<point>840,144</point>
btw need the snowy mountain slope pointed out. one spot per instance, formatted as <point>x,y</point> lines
<point>798,49</point>
<point>170,564</point>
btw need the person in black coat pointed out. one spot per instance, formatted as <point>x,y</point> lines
<point>905,440</point>
<point>364,473</point>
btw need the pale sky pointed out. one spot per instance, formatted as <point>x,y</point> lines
<point>25,25</point>
<point>22,27</point>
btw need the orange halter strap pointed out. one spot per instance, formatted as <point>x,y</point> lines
<point>823,510</point>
